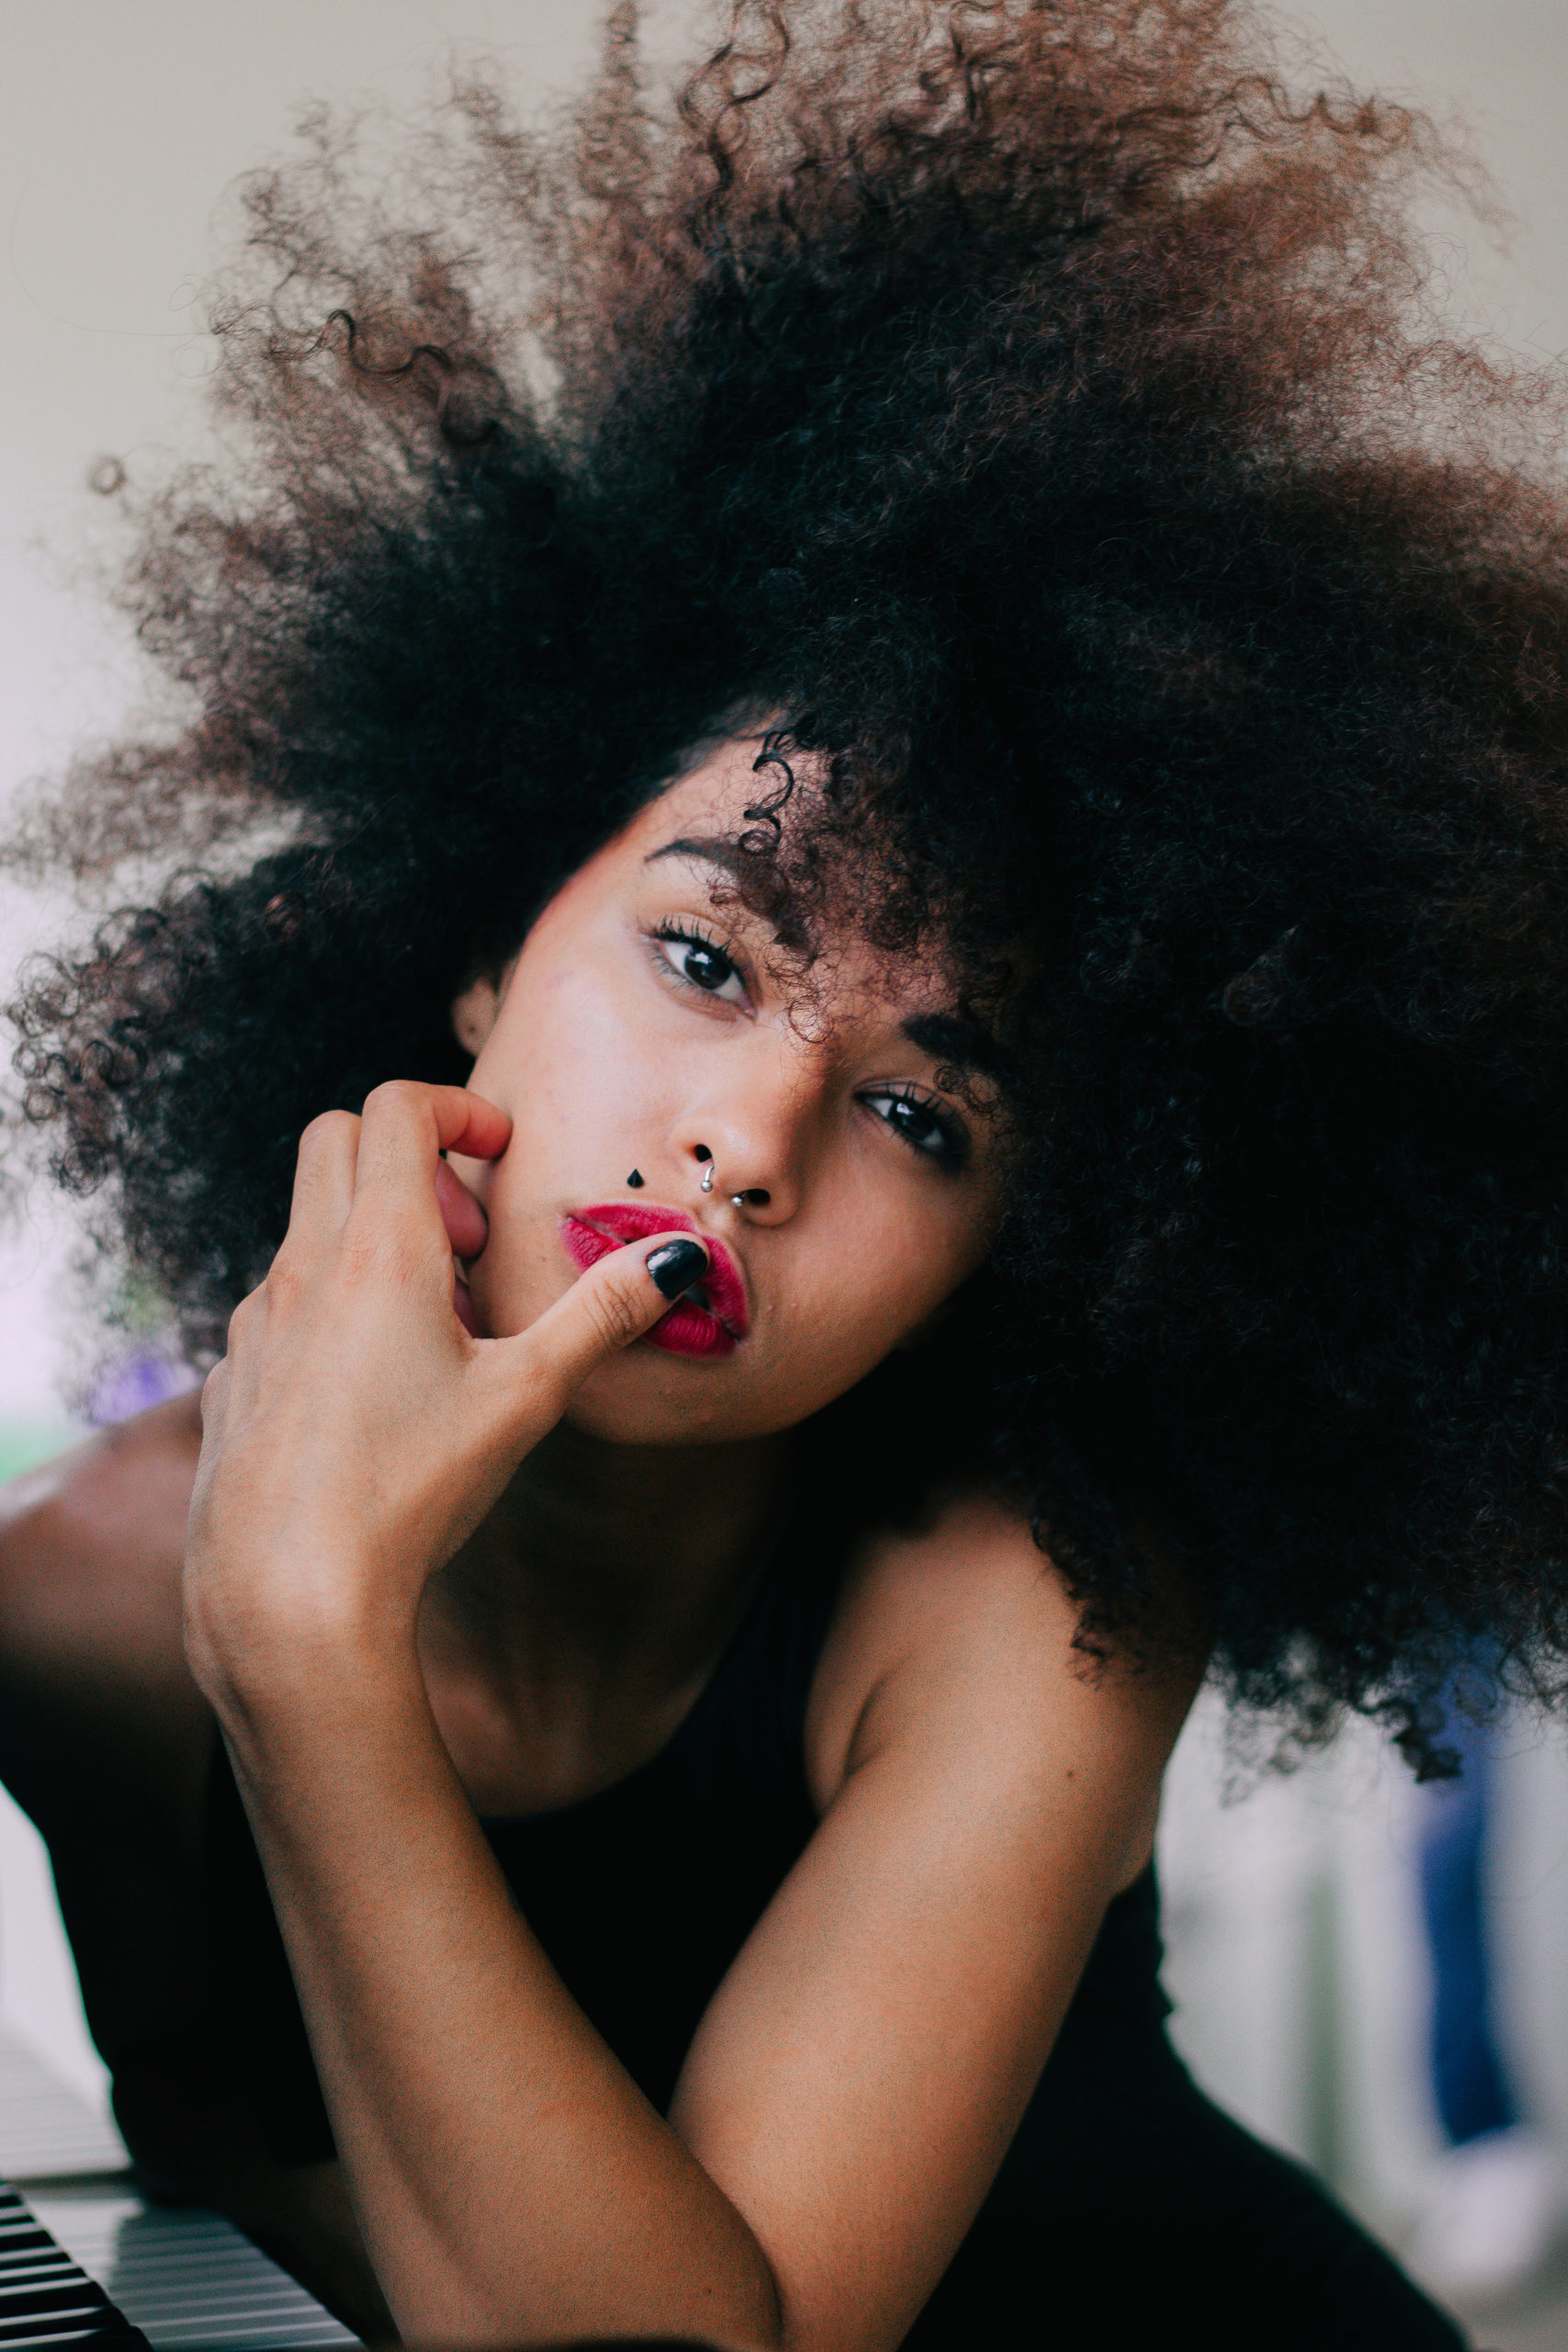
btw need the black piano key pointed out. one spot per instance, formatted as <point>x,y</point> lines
<point>45,2297</point>
<point>68,2332</point>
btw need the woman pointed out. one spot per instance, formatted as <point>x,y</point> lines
<point>880,766</point>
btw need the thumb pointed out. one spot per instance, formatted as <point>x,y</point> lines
<point>613,1303</point>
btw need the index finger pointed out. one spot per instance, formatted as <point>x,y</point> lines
<point>407,1124</point>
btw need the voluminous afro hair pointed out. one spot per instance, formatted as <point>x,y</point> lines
<point>1029,405</point>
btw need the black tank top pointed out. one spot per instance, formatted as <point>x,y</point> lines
<point>1128,2207</point>
<point>641,1895</point>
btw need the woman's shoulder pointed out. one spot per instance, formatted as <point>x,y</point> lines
<point>971,1564</point>
<point>966,1621</point>
<point>91,1549</point>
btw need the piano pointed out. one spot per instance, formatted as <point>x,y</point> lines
<point>45,2298</point>
<point>86,2260</point>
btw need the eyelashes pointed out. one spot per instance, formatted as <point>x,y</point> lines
<point>921,1123</point>
<point>699,962</point>
<point>692,958</point>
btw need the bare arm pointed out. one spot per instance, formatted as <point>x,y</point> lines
<point>860,2072</point>
<point>512,2182</point>
<point>857,2080</point>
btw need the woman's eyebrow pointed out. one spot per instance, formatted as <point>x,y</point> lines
<point>963,1044</point>
<point>712,850</point>
<point>945,1036</point>
<point>730,857</point>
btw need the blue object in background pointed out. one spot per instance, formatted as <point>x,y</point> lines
<point>1469,2078</point>
<point>133,1383</point>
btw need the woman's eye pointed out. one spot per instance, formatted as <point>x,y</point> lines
<point>701,965</point>
<point>922,1126</point>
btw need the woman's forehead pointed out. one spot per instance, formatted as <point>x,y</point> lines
<point>697,827</point>
<point>714,796</point>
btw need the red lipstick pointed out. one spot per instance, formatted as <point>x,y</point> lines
<point>712,1318</point>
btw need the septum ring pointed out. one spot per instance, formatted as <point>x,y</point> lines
<point>738,1199</point>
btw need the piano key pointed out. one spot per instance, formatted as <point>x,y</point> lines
<point>186,2280</point>
<point>45,2296</point>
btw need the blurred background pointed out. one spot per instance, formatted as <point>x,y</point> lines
<point>1372,1975</point>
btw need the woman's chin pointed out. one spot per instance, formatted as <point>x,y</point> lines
<point>649,1396</point>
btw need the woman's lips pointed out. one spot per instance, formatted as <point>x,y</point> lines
<point>709,1320</point>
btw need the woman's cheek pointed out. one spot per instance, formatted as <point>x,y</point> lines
<point>844,1335</point>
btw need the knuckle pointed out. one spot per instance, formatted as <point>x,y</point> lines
<point>285,1282</point>
<point>386,1248</point>
<point>616,1314</point>
<point>396,1094</point>
<point>242,1320</point>
<point>328,1127</point>
<point>360,1256</point>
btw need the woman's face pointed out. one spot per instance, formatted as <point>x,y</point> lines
<point>642,1027</point>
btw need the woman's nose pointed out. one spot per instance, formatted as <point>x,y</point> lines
<point>746,1151</point>
<point>754,1196</point>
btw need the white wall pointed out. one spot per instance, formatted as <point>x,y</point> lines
<point>122,124</point>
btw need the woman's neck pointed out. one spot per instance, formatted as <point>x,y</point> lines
<point>568,1637</point>
<point>625,1542</point>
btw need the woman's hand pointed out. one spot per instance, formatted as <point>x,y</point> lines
<point>356,1432</point>
<point>511,2181</point>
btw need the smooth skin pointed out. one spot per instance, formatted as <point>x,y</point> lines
<point>431,1574</point>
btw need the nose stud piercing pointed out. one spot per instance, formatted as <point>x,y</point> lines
<point>707,1178</point>
<point>701,1152</point>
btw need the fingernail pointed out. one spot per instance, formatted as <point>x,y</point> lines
<point>676,1265</point>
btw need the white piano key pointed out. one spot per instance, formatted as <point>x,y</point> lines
<point>186,2277</point>
<point>45,2298</point>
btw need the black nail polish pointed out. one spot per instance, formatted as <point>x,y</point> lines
<point>676,1265</point>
